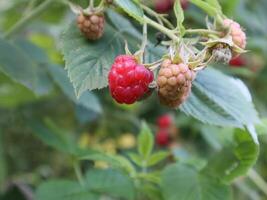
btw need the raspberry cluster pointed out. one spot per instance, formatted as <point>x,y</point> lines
<point>174,83</point>
<point>92,25</point>
<point>238,35</point>
<point>128,80</point>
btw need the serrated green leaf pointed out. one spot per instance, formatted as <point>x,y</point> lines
<point>237,159</point>
<point>157,157</point>
<point>88,63</point>
<point>220,100</point>
<point>145,141</point>
<point>185,182</point>
<point>132,9</point>
<point>64,190</point>
<point>110,182</point>
<point>88,100</point>
<point>179,14</point>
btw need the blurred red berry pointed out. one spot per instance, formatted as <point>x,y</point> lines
<point>128,81</point>
<point>184,4</point>
<point>162,138</point>
<point>165,121</point>
<point>163,6</point>
<point>237,61</point>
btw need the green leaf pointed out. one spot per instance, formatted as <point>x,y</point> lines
<point>179,14</point>
<point>111,182</point>
<point>145,141</point>
<point>237,159</point>
<point>21,69</point>
<point>136,158</point>
<point>88,63</point>
<point>88,100</point>
<point>185,182</point>
<point>262,127</point>
<point>58,138</point>
<point>13,94</point>
<point>131,35</point>
<point>64,190</point>
<point>208,8</point>
<point>220,100</point>
<point>40,59</point>
<point>132,9</point>
<point>157,157</point>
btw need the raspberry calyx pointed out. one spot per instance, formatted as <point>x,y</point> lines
<point>128,80</point>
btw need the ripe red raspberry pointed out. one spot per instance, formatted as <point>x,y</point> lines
<point>237,61</point>
<point>238,35</point>
<point>165,121</point>
<point>162,138</point>
<point>128,80</point>
<point>174,83</point>
<point>92,25</point>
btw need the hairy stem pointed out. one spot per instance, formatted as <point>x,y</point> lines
<point>202,32</point>
<point>27,18</point>
<point>161,28</point>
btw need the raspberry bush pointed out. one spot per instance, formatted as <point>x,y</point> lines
<point>135,96</point>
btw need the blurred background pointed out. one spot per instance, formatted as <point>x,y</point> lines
<point>28,115</point>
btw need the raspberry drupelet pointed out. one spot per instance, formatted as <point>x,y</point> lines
<point>128,80</point>
<point>174,83</point>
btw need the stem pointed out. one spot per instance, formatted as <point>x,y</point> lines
<point>27,18</point>
<point>78,172</point>
<point>144,42</point>
<point>161,28</point>
<point>258,180</point>
<point>30,6</point>
<point>160,18</point>
<point>202,32</point>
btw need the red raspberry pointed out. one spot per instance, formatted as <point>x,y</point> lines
<point>165,121</point>
<point>92,25</point>
<point>237,61</point>
<point>238,35</point>
<point>128,81</point>
<point>162,138</point>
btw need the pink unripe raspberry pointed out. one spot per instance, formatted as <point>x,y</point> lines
<point>238,35</point>
<point>128,80</point>
<point>174,83</point>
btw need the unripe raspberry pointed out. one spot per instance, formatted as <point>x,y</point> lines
<point>162,138</point>
<point>92,25</point>
<point>174,83</point>
<point>165,121</point>
<point>128,80</point>
<point>238,35</point>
